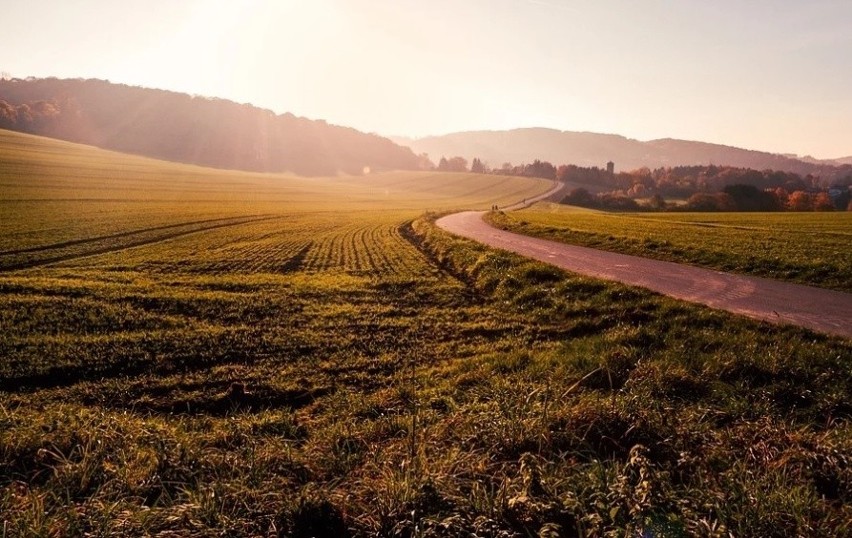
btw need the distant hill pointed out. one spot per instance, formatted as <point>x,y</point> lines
<point>191,129</point>
<point>593,149</point>
<point>837,162</point>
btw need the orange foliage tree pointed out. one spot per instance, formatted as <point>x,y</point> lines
<point>800,201</point>
<point>822,202</point>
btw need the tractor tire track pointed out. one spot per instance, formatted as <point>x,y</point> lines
<point>75,242</point>
<point>13,265</point>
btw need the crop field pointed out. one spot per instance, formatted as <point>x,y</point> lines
<point>322,360</point>
<point>808,248</point>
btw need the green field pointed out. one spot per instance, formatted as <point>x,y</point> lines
<point>54,192</point>
<point>191,352</point>
<point>808,248</point>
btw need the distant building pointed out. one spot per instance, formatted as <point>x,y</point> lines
<point>610,168</point>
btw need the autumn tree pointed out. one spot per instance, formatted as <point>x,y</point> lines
<point>637,190</point>
<point>800,201</point>
<point>822,202</point>
<point>8,115</point>
<point>782,196</point>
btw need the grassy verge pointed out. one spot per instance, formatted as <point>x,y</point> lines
<point>807,248</point>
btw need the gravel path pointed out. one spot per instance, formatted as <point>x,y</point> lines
<point>822,310</point>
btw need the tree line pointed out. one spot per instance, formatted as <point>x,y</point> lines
<point>737,197</point>
<point>703,187</point>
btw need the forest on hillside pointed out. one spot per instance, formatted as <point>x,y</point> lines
<point>192,129</point>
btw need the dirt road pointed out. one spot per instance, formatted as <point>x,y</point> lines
<point>777,302</point>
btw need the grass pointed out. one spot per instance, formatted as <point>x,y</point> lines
<point>807,248</point>
<point>361,372</point>
<point>55,192</point>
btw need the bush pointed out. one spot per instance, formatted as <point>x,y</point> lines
<point>710,202</point>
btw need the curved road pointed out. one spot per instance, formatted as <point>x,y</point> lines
<point>822,310</point>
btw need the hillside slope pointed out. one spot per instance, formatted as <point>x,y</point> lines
<point>191,129</point>
<point>594,149</point>
<point>36,170</point>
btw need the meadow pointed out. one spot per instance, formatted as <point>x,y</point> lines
<point>226,354</point>
<point>807,248</point>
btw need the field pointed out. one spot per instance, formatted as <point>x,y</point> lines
<point>227,354</point>
<point>807,248</point>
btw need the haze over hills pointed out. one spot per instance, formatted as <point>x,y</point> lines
<point>518,146</point>
<point>190,129</point>
<point>837,162</point>
<point>224,134</point>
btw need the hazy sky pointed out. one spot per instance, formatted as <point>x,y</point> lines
<point>774,75</point>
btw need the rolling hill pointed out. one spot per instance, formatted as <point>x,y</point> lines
<point>594,149</point>
<point>192,129</point>
<point>36,170</point>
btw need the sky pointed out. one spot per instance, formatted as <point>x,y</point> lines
<point>773,75</point>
